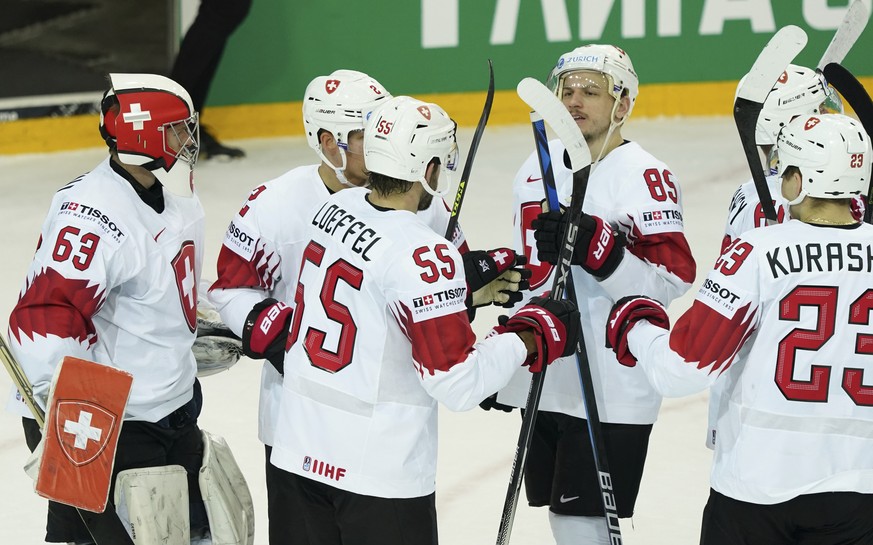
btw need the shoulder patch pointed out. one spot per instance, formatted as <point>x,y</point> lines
<point>83,212</point>
<point>722,297</point>
<point>654,219</point>
<point>425,306</point>
<point>240,241</point>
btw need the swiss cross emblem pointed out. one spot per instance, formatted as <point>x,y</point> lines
<point>136,116</point>
<point>656,215</point>
<point>425,111</point>
<point>83,430</point>
<point>428,299</point>
<point>811,122</point>
<point>183,269</point>
<point>784,77</point>
<point>331,85</point>
<point>540,270</point>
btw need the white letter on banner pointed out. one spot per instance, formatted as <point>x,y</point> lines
<point>716,12</point>
<point>669,17</point>
<point>820,16</point>
<point>439,23</point>
<point>593,15</point>
<point>506,21</point>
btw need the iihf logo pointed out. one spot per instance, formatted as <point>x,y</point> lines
<point>307,463</point>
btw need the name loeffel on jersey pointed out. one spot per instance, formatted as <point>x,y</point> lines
<point>341,225</point>
<point>817,257</point>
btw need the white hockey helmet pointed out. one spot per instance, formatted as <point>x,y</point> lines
<point>609,60</point>
<point>798,91</point>
<point>340,104</point>
<point>404,135</point>
<point>832,152</point>
<point>154,114</point>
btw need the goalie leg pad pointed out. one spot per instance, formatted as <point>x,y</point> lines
<point>152,502</point>
<point>226,495</point>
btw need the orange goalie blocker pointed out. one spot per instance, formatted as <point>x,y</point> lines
<point>81,433</point>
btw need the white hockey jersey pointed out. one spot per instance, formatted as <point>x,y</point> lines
<point>382,334</point>
<point>783,321</point>
<point>638,194</point>
<point>114,281</point>
<point>745,211</point>
<point>261,255</point>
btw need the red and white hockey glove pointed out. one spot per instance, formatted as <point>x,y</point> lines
<point>624,316</point>
<point>265,332</point>
<point>555,325</point>
<point>598,247</point>
<point>495,276</point>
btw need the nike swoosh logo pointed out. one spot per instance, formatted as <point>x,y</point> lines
<point>562,499</point>
<point>160,233</point>
<point>531,179</point>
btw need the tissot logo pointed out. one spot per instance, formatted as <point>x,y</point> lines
<point>439,297</point>
<point>659,215</point>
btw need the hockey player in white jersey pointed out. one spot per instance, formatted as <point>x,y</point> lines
<point>633,208</point>
<point>380,334</point>
<point>783,322</point>
<point>260,259</point>
<point>114,278</point>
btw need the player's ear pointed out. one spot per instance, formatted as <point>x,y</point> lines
<point>623,108</point>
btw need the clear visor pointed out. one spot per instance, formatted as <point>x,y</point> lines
<point>182,139</point>
<point>588,81</point>
<point>832,104</point>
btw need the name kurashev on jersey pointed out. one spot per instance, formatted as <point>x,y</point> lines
<point>340,224</point>
<point>820,257</point>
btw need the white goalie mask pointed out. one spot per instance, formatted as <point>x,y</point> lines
<point>339,104</point>
<point>832,152</point>
<point>609,60</point>
<point>150,121</point>
<point>404,135</point>
<point>798,91</point>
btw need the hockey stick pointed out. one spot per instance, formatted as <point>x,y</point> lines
<point>468,164</point>
<point>853,24</point>
<point>106,528</point>
<point>858,98</point>
<point>769,66</point>
<point>589,398</point>
<point>547,105</point>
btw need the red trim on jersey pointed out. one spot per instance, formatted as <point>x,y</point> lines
<point>236,272</point>
<point>440,343</point>
<point>670,250</point>
<point>54,305</point>
<point>706,338</point>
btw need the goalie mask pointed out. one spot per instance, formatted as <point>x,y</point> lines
<point>609,60</point>
<point>798,91</point>
<point>404,135</point>
<point>340,104</point>
<point>150,121</point>
<point>832,152</point>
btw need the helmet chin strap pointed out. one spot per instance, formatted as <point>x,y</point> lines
<point>612,126</point>
<point>339,170</point>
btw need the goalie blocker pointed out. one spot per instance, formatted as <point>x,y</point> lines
<point>76,458</point>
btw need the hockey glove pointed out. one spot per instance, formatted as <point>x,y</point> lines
<point>491,402</point>
<point>265,332</point>
<point>495,276</point>
<point>624,316</point>
<point>555,325</point>
<point>216,347</point>
<point>598,249</point>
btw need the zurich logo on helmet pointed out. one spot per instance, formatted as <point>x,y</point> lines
<point>560,63</point>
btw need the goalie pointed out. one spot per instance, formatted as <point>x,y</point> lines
<point>114,281</point>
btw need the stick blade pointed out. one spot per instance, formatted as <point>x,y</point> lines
<point>853,24</point>
<point>776,55</point>
<point>541,100</point>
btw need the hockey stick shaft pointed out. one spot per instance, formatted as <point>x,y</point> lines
<point>468,164</point>
<point>858,98</point>
<point>106,528</point>
<point>768,67</point>
<point>548,106</point>
<point>589,397</point>
<point>850,29</point>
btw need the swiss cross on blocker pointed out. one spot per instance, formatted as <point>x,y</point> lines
<point>81,433</point>
<point>136,116</point>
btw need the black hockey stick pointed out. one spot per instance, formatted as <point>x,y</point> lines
<point>589,397</point>
<point>546,104</point>
<point>858,98</point>
<point>769,66</point>
<point>106,528</point>
<point>468,164</point>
